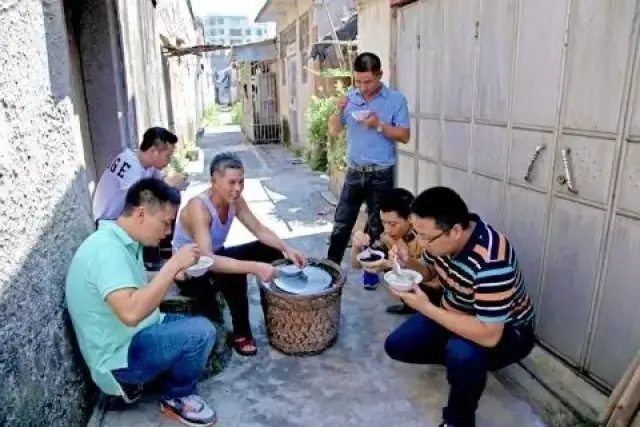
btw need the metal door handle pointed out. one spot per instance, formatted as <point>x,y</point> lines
<point>536,154</point>
<point>567,178</point>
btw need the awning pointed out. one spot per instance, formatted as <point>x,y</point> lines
<point>264,50</point>
<point>347,32</point>
<point>192,50</point>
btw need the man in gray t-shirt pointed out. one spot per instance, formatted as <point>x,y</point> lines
<point>129,167</point>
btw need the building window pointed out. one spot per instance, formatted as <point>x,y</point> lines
<point>235,32</point>
<point>286,38</point>
<point>247,32</point>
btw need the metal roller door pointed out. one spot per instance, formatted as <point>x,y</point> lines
<point>531,110</point>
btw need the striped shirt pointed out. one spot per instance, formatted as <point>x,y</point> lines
<point>484,279</point>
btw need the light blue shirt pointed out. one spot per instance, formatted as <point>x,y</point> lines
<point>368,146</point>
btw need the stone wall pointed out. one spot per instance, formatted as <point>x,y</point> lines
<point>79,80</point>
<point>178,27</point>
<point>44,215</point>
<point>146,94</point>
<point>162,90</point>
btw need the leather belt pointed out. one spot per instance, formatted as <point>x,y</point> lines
<point>368,168</point>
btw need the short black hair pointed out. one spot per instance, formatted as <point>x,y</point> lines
<point>367,62</point>
<point>157,137</point>
<point>443,205</point>
<point>224,161</point>
<point>152,192</point>
<point>397,200</point>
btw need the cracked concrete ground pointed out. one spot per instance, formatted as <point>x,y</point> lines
<point>353,383</point>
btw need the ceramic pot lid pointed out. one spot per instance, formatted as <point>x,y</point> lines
<point>317,281</point>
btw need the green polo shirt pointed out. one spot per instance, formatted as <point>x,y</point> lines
<point>106,261</point>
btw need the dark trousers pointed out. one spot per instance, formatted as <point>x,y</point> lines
<point>232,286</point>
<point>359,187</point>
<point>423,341</point>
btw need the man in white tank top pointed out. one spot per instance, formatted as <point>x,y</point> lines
<point>129,167</point>
<point>206,221</point>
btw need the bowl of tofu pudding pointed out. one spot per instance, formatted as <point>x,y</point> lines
<point>201,267</point>
<point>371,258</point>
<point>402,280</point>
<point>360,115</point>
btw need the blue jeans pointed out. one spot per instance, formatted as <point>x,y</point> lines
<point>179,346</point>
<point>423,341</point>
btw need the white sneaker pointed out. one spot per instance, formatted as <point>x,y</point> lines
<point>190,410</point>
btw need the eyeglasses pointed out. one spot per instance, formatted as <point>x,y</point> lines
<point>430,240</point>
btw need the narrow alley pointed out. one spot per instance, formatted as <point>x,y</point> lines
<point>353,383</point>
<point>522,116</point>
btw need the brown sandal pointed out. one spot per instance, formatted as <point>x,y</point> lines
<point>245,346</point>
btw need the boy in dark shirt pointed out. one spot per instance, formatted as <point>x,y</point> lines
<point>395,209</point>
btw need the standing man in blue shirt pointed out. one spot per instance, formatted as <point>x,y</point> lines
<point>375,118</point>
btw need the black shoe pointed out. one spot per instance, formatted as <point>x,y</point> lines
<point>400,309</point>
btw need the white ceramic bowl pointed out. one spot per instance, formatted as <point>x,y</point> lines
<point>290,270</point>
<point>201,267</point>
<point>370,264</point>
<point>403,282</point>
<point>360,114</point>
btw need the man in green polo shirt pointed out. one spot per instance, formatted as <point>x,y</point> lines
<point>122,335</point>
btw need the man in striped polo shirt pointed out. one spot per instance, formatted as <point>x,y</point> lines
<point>485,319</point>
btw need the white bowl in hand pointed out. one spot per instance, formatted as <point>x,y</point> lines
<point>404,281</point>
<point>360,114</point>
<point>201,267</point>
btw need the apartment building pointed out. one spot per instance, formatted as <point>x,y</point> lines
<point>232,30</point>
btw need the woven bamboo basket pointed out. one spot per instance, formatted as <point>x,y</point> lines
<point>303,325</point>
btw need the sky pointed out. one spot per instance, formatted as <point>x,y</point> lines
<point>249,8</point>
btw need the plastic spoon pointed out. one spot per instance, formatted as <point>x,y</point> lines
<point>398,271</point>
<point>396,266</point>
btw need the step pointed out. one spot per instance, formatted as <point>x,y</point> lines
<point>562,397</point>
